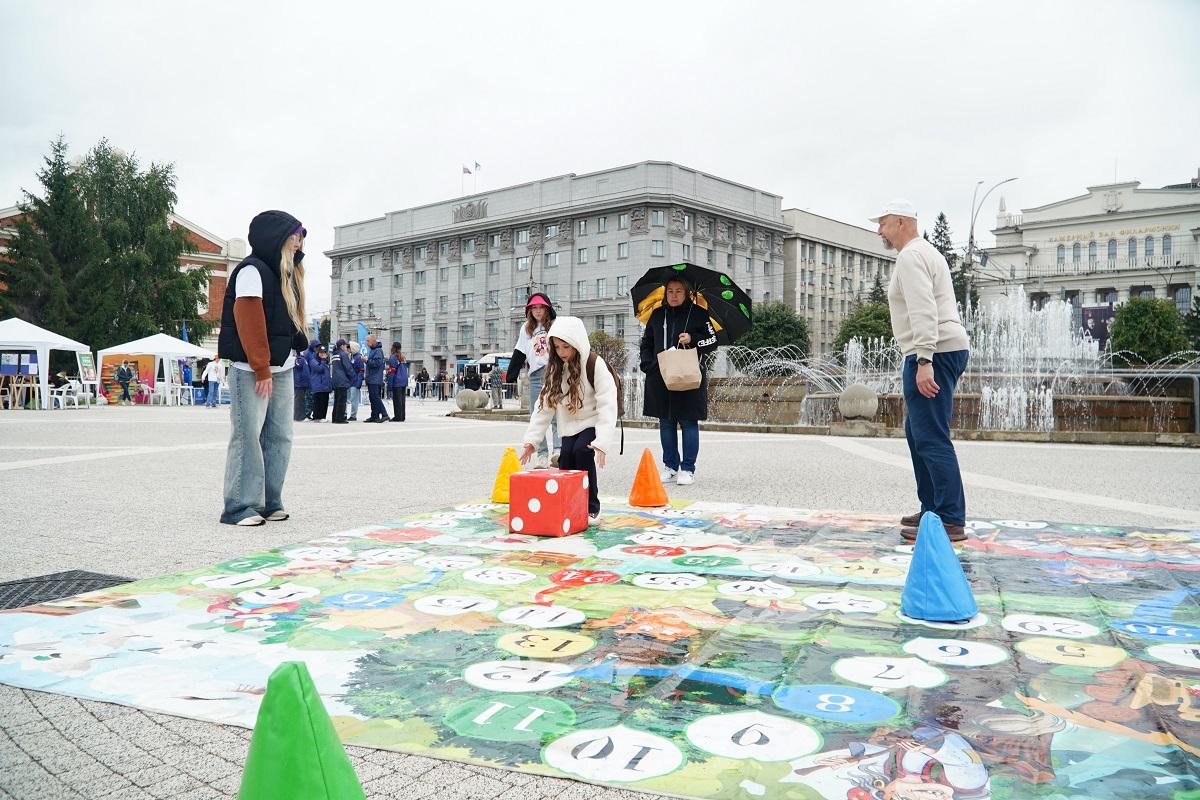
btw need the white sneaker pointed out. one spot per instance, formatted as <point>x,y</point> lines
<point>685,479</point>
<point>252,521</point>
<point>279,515</point>
<point>543,461</point>
<point>667,474</point>
<point>593,519</point>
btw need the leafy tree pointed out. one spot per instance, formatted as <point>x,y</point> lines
<point>1148,328</point>
<point>96,258</point>
<point>610,348</point>
<point>878,294</point>
<point>776,325</point>
<point>324,331</point>
<point>868,321</point>
<point>1191,324</point>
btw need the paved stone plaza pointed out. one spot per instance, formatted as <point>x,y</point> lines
<point>136,492</point>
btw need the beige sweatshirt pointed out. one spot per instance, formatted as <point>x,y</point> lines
<point>921,298</point>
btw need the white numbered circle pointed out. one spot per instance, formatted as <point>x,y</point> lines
<point>478,508</point>
<point>755,589</point>
<point>885,673</point>
<point>906,549</point>
<point>898,560</point>
<point>542,616</point>
<point>753,734</point>
<point>499,576</point>
<point>980,525</point>
<point>787,569</point>
<point>245,580</point>
<point>448,563</point>
<point>316,553</point>
<point>613,755</point>
<point>451,605</point>
<point>1019,524</point>
<point>457,515</point>
<point>956,652</point>
<point>433,523</point>
<point>669,581</point>
<point>387,556</point>
<point>518,676</point>
<point>273,595</point>
<point>977,621</point>
<point>1181,655</point>
<point>1048,626</point>
<point>653,537</point>
<point>845,602</point>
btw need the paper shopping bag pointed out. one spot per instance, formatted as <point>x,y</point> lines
<point>680,369</point>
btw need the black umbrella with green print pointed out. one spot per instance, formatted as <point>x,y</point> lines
<point>728,306</point>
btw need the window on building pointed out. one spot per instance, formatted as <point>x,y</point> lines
<point>494,240</point>
<point>1182,295</point>
<point>658,218</point>
<point>443,303</point>
<point>619,326</point>
<point>398,307</point>
<point>550,259</point>
<point>421,252</point>
<point>600,323</point>
<point>1076,251</point>
<point>493,298</point>
<point>623,222</point>
<point>491,333</point>
<point>523,236</point>
<point>687,222</point>
<point>522,263</point>
<point>418,338</point>
<point>376,260</point>
<point>601,288</point>
<point>466,301</point>
<point>622,285</point>
<point>1142,291</point>
<point>418,305</point>
<point>466,334</point>
<point>443,249</point>
<point>360,285</point>
<point>521,295</point>
<point>1149,248</point>
<point>398,281</point>
<point>349,287</point>
<point>397,258</point>
<point>551,231</point>
<point>748,263</point>
<point>602,253</point>
<point>1131,250</point>
<point>468,245</point>
<point>1093,254</point>
<point>766,268</point>
<point>1106,295</point>
<point>601,224</point>
<point>493,268</point>
<point>1166,243</point>
<point>468,270</point>
<point>1112,251</point>
<point>582,228</point>
<point>370,309</point>
<point>370,284</point>
<point>581,255</point>
<point>687,252</point>
<point>443,336</point>
<point>443,274</point>
<point>581,290</point>
<point>623,250</point>
<point>811,303</point>
<point>729,261</point>
<point>708,256</point>
<point>419,277</point>
<point>656,247</point>
<point>552,290</point>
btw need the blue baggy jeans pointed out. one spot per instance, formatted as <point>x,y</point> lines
<point>690,433</point>
<point>927,428</point>
<point>536,380</point>
<point>260,445</point>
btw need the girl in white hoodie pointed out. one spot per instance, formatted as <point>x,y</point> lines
<point>586,414</point>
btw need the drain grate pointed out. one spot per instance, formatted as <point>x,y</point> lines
<point>28,591</point>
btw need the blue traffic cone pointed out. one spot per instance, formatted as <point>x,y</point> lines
<point>936,589</point>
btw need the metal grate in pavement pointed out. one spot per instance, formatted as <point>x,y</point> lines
<point>28,591</point>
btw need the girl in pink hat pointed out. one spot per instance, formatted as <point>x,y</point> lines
<point>533,346</point>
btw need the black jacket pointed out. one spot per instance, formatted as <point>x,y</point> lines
<point>268,231</point>
<point>662,333</point>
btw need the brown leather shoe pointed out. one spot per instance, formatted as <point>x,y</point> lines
<point>957,533</point>
<point>912,520</point>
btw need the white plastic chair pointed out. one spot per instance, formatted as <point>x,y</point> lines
<point>68,391</point>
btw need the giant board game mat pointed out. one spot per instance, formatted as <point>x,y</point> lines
<point>708,651</point>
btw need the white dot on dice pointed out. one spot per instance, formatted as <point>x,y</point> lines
<point>517,523</point>
<point>535,505</point>
<point>551,486</point>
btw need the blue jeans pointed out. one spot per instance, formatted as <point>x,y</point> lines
<point>213,397</point>
<point>536,379</point>
<point>927,428</point>
<point>355,394</point>
<point>670,442</point>
<point>260,446</point>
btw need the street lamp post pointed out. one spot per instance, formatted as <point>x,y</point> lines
<point>975,209</point>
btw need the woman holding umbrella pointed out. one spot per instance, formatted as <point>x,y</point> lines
<point>677,323</point>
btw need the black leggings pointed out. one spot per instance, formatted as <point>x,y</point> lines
<point>398,393</point>
<point>576,454</point>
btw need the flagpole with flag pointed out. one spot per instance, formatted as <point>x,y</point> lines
<point>462,189</point>
<point>475,181</point>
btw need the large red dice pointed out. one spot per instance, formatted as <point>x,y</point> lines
<point>548,502</point>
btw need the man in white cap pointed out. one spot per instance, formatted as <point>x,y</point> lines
<point>934,343</point>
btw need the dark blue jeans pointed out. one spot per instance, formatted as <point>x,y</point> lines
<point>927,427</point>
<point>667,427</point>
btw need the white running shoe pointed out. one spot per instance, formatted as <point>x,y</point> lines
<point>667,474</point>
<point>251,521</point>
<point>278,515</point>
<point>685,479</point>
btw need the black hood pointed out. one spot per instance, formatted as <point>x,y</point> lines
<point>268,231</point>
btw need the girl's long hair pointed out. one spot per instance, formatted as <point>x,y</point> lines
<point>530,322</point>
<point>552,393</point>
<point>291,283</point>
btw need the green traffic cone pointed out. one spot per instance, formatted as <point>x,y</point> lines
<point>295,753</point>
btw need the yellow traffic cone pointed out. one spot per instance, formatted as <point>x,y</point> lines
<point>508,465</point>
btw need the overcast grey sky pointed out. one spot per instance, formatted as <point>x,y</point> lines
<point>343,111</point>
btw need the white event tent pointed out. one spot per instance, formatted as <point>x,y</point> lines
<point>17,334</point>
<point>160,346</point>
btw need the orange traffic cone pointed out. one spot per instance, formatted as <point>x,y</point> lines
<point>648,490</point>
<point>508,465</point>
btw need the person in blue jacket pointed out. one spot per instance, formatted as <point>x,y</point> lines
<point>360,367</point>
<point>321,384</point>
<point>397,381</point>
<point>376,362</point>
<point>300,401</point>
<point>310,355</point>
<point>343,374</point>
